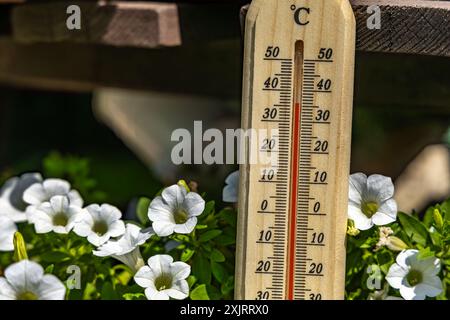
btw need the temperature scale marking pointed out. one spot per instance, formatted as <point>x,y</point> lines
<point>298,82</point>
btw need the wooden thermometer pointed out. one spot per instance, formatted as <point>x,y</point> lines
<point>298,83</point>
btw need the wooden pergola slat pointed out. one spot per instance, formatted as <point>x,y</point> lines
<point>407,26</point>
<point>198,54</point>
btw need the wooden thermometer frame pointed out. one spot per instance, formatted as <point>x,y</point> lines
<point>298,82</point>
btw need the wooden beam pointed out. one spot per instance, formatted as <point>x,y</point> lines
<point>136,24</point>
<point>407,26</point>
<point>413,26</point>
<point>212,69</point>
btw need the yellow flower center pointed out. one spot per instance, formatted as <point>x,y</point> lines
<point>369,208</point>
<point>60,219</point>
<point>100,228</point>
<point>28,295</point>
<point>163,282</point>
<point>181,216</point>
<point>414,277</point>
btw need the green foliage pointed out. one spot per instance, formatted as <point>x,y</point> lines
<point>211,258</point>
<point>77,171</point>
<point>430,235</point>
<point>209,249</point>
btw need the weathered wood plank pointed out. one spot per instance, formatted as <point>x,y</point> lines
<point>214,69</point>
<point>408,26</point>
<point>210,69</point>
<point>119,24</point>
<point>418,27</point>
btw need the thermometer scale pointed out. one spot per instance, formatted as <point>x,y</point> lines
<point>298,85</point>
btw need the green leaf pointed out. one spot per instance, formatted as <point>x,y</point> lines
<point>134,296</point>
<point>50,268</point>
<point>191,280</point>
<point>201,269</point>
<point>425,254</point>
<point>219,271</point>
<point>414,228</point>
<point>229,216</point>
<point>187,255</point>
<point>217,256</point>
<point>108,292</point>
<point>209,208</point>
<point>435,236</point>
<point>54,256</point>
<point>228,285</point>
<point>209,235</point>
<point>200,293</point>
<point>142,210</point>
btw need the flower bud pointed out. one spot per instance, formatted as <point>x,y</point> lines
<point>183,184</point>
<point>396,244</point>
<point>20,250</point>
<point>351,229</point>
<point>438,219</point>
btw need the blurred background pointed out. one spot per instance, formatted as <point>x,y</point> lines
<point>115,107</point>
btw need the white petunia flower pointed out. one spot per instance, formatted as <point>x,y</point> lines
<point>42,192</point>
<point>175,211</point>
<point>100,223</point>
<point>57,215</point>
<point>164,279</point>
<point>7,230</point>
<point>11,196</point>
<point>416,279</point>
<point>25,280</point>
<point>371,201</point>
<point>126,248</point>
<point>231,190</point>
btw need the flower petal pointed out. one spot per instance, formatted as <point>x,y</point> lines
<point>75,198</point>
<point>163,228</point>
<point>179,290</point>
<point>159,210</point>
<point>110,213</point>
<point>380,187</point>
<point>7,230</point>
<point>194,204</point>
<point>35,194</point>
<point>407,257</point>
<point>358,183</point>
<point>51,288</point>
<point>145,277</point>
<point>231,190</point>
<point>430,266</point>
<point>186,227</point>
<point>116,229</point>
<point>411,293</point>
<point>160,263</point>
<point>362,222</point>
<point>59,203</point>
<point>155,295</point>
<point>54,187</point>
<point>431,286</point>
<point>108,249</point>
<point>396,276</point>
<point>180,270</point>
<point>24,275</point>
<point>386,214</point>
<point>174,195</point>
<point>6,291</point>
